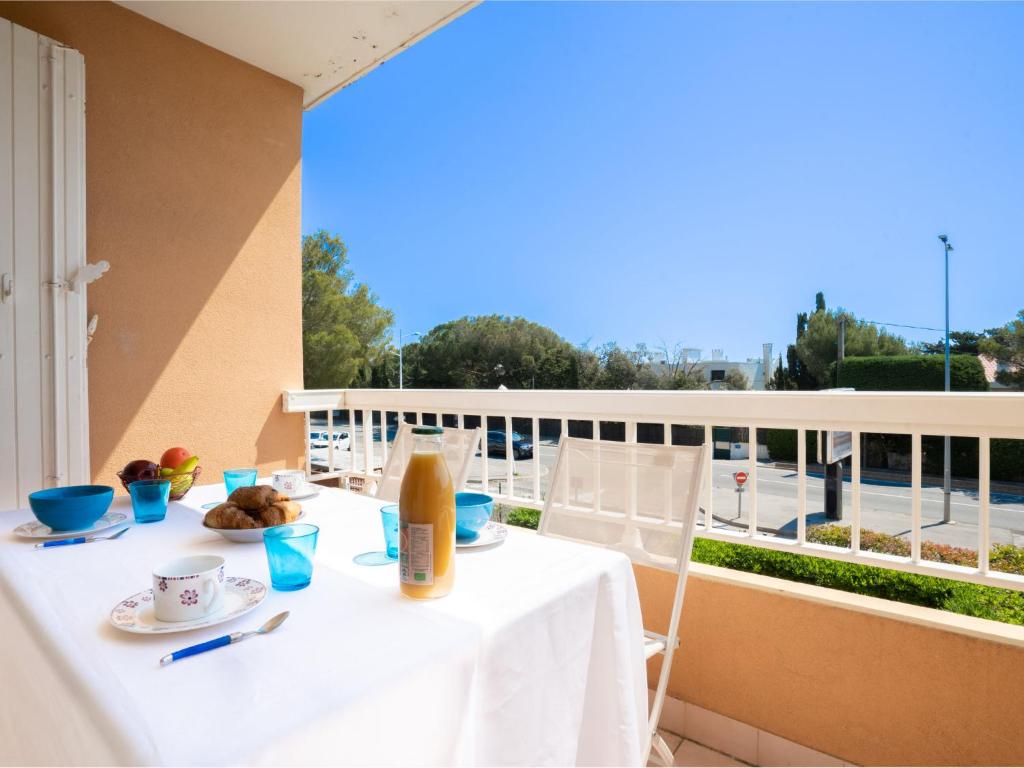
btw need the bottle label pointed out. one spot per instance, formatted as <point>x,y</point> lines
<point>416,553</point>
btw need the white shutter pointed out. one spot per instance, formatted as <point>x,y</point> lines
<point>43,385</point>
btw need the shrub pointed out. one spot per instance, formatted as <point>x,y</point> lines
<point>781,444</point>
<point>984,602</point>
<point>524,517</point>
<point>1005,558</point>
<point>911,373</point>
<point>1008,460</point>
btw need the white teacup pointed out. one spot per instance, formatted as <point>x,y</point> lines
<point>188,588</point>
<point>288,481</point>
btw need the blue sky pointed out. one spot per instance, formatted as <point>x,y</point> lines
<point>686,173</point>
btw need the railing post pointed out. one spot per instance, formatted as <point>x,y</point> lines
<point>351,439</point>
<point>709,476</point>
<point>535,439</point>
<point>633,495</point>
<point>597,464</point>
<point>752,480</point>
<point>915,496</point>
<point>368,440</point>
<point>330,439</point>
<point>984,499</point>
<point>510,458</point>
<point>855,461</point>
<point>801,486</point>
<point>485,453</point>
<point>309,447</point>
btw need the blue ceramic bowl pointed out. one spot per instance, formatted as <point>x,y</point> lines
<point>472,511</point>
<point>73,508</point>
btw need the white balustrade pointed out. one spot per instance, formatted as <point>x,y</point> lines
<point>980,415</point>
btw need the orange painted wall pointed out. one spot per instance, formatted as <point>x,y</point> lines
<point>862,687</point>
<point>193,185</point>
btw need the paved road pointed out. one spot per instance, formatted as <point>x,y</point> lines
<point>884,508</point>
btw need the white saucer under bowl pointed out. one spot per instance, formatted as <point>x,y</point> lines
<point>135,613</point>
<point>248,535</point>
<point>308,492</point>
<point>36,530</point>
<point>492,533</point>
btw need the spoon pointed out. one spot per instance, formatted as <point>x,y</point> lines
<point>235,637</point>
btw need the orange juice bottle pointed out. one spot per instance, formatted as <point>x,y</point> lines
<point>426,514</point>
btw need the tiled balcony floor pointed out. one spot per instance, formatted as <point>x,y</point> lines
<point>690,753</point>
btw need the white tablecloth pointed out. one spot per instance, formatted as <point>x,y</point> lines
<point>534,659</point>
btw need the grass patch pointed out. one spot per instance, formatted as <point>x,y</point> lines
<point>1006,605</point>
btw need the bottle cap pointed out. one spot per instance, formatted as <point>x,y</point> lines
<point>427,431</point>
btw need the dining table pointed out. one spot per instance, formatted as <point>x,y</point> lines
<point>534,658</point>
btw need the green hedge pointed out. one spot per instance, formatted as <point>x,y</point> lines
<point>1004,605</point>
<point>781,444</point>
<point>1007,460</point>
<point>911,373</point>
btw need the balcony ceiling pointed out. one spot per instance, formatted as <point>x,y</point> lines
<point>319,46</point>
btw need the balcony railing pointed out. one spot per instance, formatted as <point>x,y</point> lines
<point>776,517</point>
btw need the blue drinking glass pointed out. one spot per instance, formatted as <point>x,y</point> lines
<point>388,519</point>
<point>149,500</point>
<point>239,478</point>
<point>290,550</point>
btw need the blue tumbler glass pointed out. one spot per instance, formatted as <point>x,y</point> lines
<point>149,500</point>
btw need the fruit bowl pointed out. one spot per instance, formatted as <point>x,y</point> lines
<point>181,482</point>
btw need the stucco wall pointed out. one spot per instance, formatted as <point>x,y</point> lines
<point>867,688</point>
<point>193,184</point>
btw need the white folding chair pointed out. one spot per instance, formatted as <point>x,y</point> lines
<point>640,499</point>
<point>459,447</point>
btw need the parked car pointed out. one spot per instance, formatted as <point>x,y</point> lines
<point>319,440</point>
<point>522,448</point>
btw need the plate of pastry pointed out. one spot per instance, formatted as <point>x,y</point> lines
<point>249,511</point>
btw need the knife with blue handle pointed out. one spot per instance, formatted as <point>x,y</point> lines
<point>78,540</point>
<point>220,642</point>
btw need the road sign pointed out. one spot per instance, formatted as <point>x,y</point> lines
<point>740,478</point>
<point>838,446</point>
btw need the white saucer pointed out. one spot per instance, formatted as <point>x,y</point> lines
<point>249,535</point>
<point>36,530</point>
<point>492,533</point>
<point>135,614</point>
<point>311,490</point>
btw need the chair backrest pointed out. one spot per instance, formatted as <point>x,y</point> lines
<point>638,498</point>
<point>459,447</point>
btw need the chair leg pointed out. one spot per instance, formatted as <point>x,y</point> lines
<point>661,748</point>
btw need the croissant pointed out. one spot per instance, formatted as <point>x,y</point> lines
<point>230,515</point>
<point>254,497</point>
<point>279,513</point>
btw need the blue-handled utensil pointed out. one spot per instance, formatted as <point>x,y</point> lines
<point>79,540</point>
<point>218,642</point>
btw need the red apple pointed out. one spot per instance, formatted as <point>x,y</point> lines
<point>174,457</point>
<point>140,469</point>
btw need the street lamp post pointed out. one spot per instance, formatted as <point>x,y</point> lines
<point>946,515</point>
<point>401,361</point>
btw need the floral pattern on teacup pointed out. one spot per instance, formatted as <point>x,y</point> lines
<point>189,597</point>
<point>220,574</point>
<point>163,584</point>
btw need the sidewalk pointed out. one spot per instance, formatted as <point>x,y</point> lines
<point>899,478</point>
